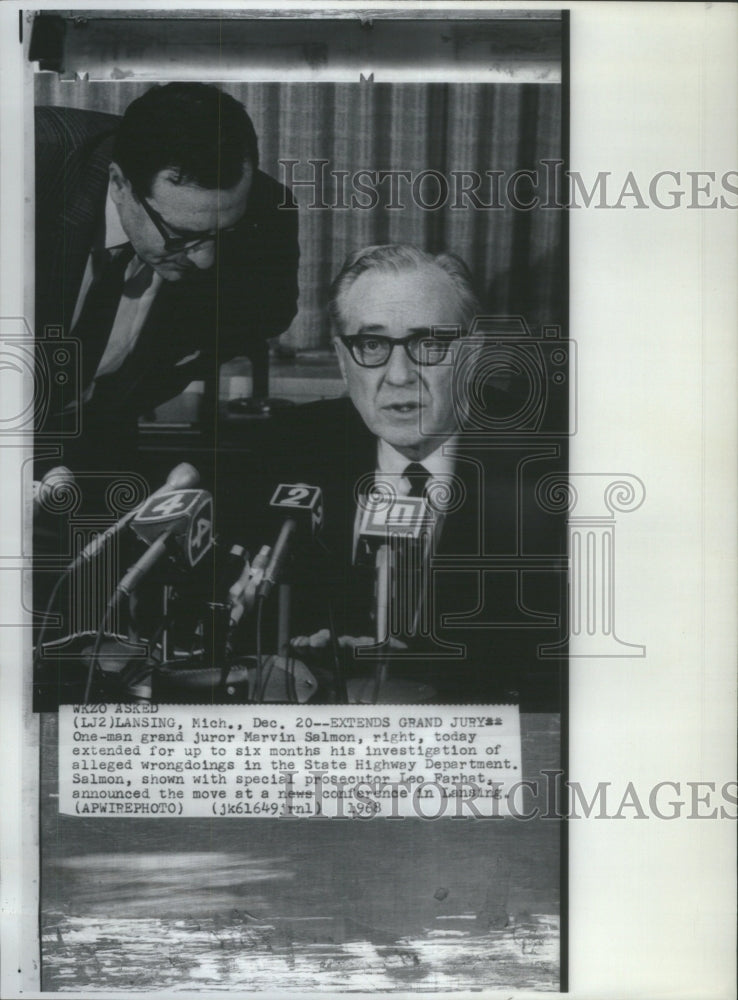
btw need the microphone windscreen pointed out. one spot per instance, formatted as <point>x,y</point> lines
<point>49,494</point>
<point>182,477</point>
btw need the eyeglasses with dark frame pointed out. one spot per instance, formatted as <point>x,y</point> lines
<point>426,348</point>
<point>176,244</point>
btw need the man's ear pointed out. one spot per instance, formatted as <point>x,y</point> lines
<point>119,183</point>
<point>338,348</point>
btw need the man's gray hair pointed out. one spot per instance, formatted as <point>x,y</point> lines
<point>394,258</point>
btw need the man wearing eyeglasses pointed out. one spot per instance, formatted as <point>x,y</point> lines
<point>161,247</point>
<point>400,319</point>
<point>397,312</point>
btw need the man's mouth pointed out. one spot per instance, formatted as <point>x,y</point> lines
<point>172,267</point>
<point>408,410</point>
<point>402,408</point>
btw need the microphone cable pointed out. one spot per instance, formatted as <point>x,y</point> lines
<point>125,588</point>
<point>99,636</point>
<point>67,572</point>
<point>37,655</point>
<point>259,662</point>
<point>338,671</point>
<point>182,476</point>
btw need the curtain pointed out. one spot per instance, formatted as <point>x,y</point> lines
<point>515,254</point>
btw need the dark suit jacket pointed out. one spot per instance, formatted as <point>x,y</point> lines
<point>499,580</point>
<point>249,295</point>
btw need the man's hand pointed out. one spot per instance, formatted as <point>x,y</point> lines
<point>320,639</point>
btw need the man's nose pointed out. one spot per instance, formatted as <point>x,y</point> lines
<point>400,369</point>
<point>202,256</point>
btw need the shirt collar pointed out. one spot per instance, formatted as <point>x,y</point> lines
<point>115,234</point>
<point>439,463</point>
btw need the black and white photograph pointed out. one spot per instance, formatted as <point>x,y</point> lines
<point>254,391</point>
<point>310,449</point>
<point>368,595</point>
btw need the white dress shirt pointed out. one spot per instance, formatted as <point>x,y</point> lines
<point>141,283</point>
<point>391,465</point>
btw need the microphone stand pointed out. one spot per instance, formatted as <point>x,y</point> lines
<point>215,638</point>
<point>284,604</point>
<point>384,565</point>
<point>284,609</point>
<point>164,642</point>
<point>338,671</point>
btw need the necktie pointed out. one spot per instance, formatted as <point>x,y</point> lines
<point>101,304</point>
<point>418,476</point>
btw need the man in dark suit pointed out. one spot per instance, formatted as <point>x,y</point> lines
<point>465,624</point>
<point>494,579</point>
<point>162,248</point>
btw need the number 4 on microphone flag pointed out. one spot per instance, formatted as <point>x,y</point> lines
<point>200,537</point>
<point>178,512</point>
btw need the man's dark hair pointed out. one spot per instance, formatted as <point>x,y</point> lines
<point>194,129</point>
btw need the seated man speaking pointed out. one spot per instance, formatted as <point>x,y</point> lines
<point>399,316</point>
<point>160,247</point>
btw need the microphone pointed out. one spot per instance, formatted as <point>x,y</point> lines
<point>54,483</point>
<point>215,625</point>
<point>302,505</point>
<point>384,517</point>
<point>395,533</point>
<point>182,476</point>
<point>226,569</point>
<point>242,595</point>
<point>183,515</point>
